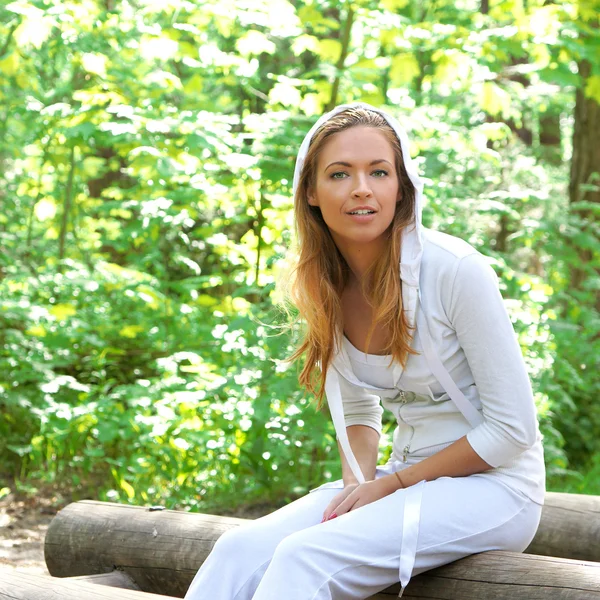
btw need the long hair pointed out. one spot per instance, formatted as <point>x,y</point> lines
<point>317,272</point>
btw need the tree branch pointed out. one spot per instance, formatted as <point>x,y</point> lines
<point>346,36</point>
<point>66,209</point>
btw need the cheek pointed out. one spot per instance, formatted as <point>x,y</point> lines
<point>332,197</point>
<point>392,191</point>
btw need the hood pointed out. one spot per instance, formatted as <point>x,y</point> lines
<point>412,235</point>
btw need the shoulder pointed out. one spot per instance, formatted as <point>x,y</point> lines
<point>444,247</point>
<point>442,253</point>
<point>449,260</point>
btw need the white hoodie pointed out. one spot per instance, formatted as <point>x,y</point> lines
<point>469,378</point>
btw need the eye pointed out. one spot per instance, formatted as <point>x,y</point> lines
<point>380,171</point>
<point>333,175</point>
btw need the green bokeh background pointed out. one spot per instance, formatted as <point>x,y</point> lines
<point>146,154</point>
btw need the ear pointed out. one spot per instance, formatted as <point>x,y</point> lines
<point>312,200</point>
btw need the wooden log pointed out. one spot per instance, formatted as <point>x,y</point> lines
<point>498,575</point>
<point>161,550</point>
<point>569,528</point>
<point>15,585</point>
<point>491,575</point>
<point>114,579</point>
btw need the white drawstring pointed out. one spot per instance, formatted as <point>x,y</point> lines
<point>410,532</point>
<point>471,414</point>
<point>334,400</point>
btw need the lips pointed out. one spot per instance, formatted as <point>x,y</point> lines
<point>361,208</point>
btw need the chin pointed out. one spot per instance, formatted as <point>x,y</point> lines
<point>361,237</point>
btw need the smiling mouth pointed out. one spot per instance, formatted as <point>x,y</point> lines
<point>362,212</point>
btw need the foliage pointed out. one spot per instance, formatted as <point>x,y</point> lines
<point>147,155</point>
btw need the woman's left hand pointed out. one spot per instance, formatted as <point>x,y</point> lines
<point>365,493</point>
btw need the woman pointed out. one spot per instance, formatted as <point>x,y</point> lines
<point>433,343</point>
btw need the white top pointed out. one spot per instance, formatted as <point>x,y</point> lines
<point>475,340</point>
<point>371,368</point>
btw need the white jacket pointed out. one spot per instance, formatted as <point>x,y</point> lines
<point>474,339</point>
<point>469,351</point>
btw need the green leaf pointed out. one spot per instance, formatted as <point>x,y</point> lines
<point>62,311</point>
<point>592,87</point>
<point>131,331</point>
<point>128,488</point>
<point>284,93</point>
<point>305,43</point>
<point>330,50</point>
<point>404,69</point>
<point>94,63</point>
<point>9,65</point>
<point>254,43</point>
<point>494,100</point>
<point>394,5</point>
<point>45,209</point>
<point>34,31</point>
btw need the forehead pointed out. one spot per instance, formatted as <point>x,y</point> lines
<point>357,144</point>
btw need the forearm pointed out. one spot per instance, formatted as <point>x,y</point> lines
<point>364,441</point>
<point>457,460</point>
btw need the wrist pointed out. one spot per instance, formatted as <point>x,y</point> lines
<point>398,480</point>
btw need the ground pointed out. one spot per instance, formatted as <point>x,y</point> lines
<point>24,521</point>
<point>23,525</point>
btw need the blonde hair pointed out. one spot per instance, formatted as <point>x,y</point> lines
<point>317,273</point>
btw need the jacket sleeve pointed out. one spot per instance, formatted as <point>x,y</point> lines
<point>360,406</point>
<point>486,335</point>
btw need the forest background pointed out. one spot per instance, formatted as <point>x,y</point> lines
<point>146,157</point>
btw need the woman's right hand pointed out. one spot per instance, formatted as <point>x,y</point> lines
<point>338,499</point>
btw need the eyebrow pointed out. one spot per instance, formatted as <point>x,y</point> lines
<point>345,164</point>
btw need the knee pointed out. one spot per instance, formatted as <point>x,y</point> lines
<point>295,548</point>
<point>237,540</point>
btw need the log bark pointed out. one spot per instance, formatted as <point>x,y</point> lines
<point>491,575</point>
<point>116,579</point>
<point>161,550</point>
<point>498,575</point>
<point>569,528</point>
<point>15,585</point>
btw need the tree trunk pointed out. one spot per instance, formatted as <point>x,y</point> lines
<point>66,208</point>
<point>346,36</point>
<point>584,184</point>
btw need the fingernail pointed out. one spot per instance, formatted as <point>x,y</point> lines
<point>332,516</point>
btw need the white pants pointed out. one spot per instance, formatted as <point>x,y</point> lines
<point>291,554</point>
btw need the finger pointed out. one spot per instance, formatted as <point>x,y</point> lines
<point>333,506</point>
<point>356,505</point>
<point>351,503</point>
<point>331,509</point>
<point>346,505</point>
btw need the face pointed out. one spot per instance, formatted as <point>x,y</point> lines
<point>356,169</point>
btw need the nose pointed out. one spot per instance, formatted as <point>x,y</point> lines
<point>362,188</point>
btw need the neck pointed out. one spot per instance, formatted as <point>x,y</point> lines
<point>360,257</point>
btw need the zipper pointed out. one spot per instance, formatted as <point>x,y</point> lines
<point>406,449</point>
